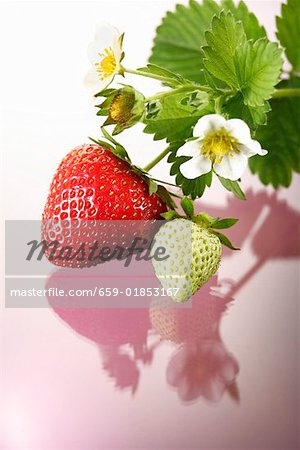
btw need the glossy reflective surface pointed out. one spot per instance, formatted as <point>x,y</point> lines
<point>222,374</point>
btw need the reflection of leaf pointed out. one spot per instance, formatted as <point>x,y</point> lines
<point>281,137</point>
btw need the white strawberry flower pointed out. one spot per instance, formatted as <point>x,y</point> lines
<point>224,145</point>
<point>105,54</point>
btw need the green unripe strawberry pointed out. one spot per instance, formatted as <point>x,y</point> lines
<point>194,254</point>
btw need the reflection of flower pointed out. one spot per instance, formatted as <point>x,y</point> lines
<point>201,366</point>
<point>204,369</point>
<point>105,54</point>
<point>222,144</point>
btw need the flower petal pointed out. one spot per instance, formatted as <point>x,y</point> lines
<point>238,129</point>
<point>232,167</point>
<point>252,148</point>
<point>191,148</point>
<point>105,30</point>
<point>195,167</point>
<point>106,36</point>
<point>209,124</point>
<point>94,84</point>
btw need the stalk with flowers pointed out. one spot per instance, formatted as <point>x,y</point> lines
<point>227,104</point>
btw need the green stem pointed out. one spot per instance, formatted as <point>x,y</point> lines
<point>156,160</point>
<point>218,105</point>
<point>165,182</point>
<point>287,92</point>
<point>144,74</point>
<point>186,88</point>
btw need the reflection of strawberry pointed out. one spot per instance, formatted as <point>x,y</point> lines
<point>201,365</point>
<point>121,334</point>
<point>200,321</point>
<point>92,184</point>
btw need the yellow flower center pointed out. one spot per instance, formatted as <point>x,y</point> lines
<point>107,64</point>
<point>218,144</point>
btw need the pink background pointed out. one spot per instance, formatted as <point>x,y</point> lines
<point>229,375</point>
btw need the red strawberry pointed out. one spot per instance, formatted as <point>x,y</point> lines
<point>91,184</point>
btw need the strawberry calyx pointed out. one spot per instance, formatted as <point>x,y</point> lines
<point>204,220</point>
<point>120,152</point>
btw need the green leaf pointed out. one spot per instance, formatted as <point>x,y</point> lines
<point>224,223</point>
<point>179,38</point>
<point>281,137</point>
<point>178,41</point>
<point>252,115</point>
<point>225,241</point>
<point>187,206</point>
<point>250,23</point>
<point>258,66</point>
<point>246,67</point>
<point>232,186</point>
<point>173,120</point>
<point>288,26</point>
<point>225,37</point>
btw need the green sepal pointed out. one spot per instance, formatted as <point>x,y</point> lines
<point>224,240</point>
<point>232,186</point>
<point>224,223</point>
<point>187,206</point>
<point>133,114</point>
<point>153,186</point>
<point>204,219</point>
<point>164,194</point>
<point>105,92</point>
<point>117,148</point>
<point>170,215</point>
<point>102,143</point>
